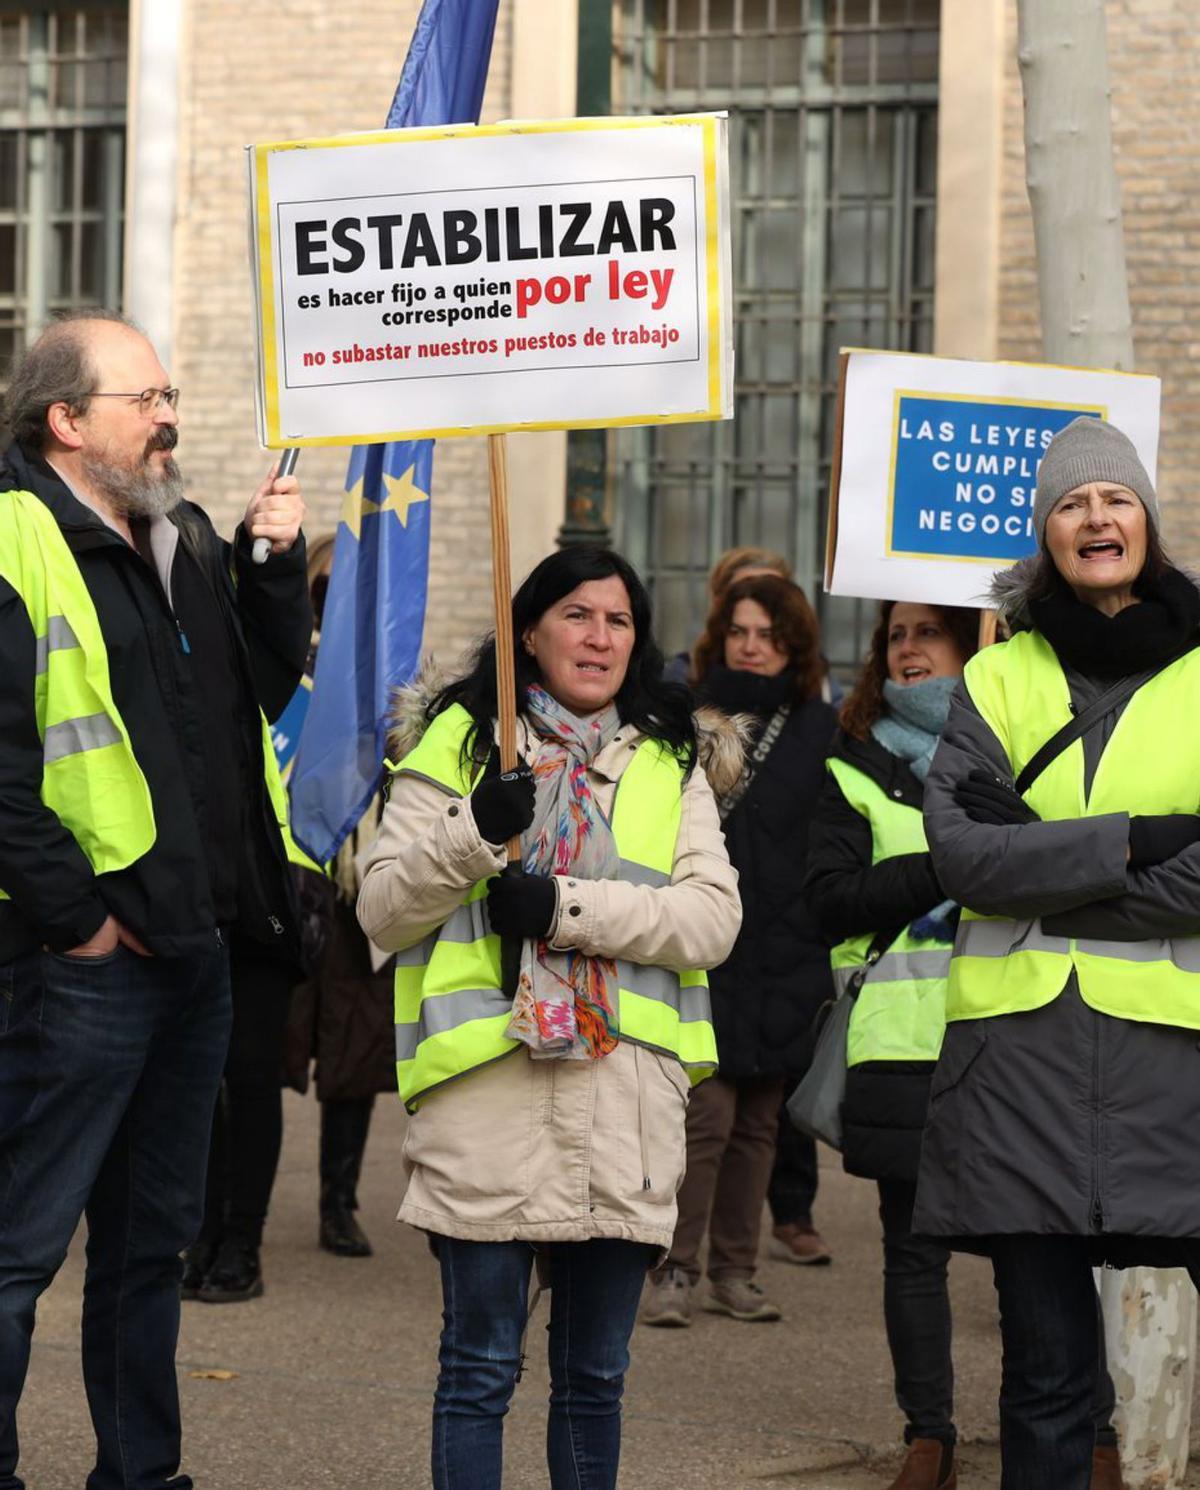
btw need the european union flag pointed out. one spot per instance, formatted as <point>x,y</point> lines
<point>375,605</point>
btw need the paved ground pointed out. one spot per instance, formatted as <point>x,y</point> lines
<point>326,1381</point>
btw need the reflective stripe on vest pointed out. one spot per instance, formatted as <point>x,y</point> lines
<point>91,779</point>
<point>899,1014</point>
<point>450,1013</point>
<point>1006,966</point>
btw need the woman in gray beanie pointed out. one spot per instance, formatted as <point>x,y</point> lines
<point>1065,1105</point>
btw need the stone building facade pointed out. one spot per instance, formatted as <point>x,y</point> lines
<point>207,77</point>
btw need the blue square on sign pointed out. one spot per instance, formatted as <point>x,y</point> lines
<point>964,473</point>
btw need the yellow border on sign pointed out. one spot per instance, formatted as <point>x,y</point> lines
<point>959,398</point>
<point>275,438</point>
<point>1101,372</point>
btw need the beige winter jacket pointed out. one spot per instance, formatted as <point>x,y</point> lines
<point>556,1150</point>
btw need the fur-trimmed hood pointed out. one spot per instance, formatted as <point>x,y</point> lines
<point>721,740</point>
<point>1010,591</point>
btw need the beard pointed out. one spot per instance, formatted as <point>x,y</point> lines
<point>134,487</point>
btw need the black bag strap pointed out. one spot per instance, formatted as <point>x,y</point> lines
<point>1075,729</point>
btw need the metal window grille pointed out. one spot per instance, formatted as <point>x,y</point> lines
<point>833,150</point>
<point>62,163</point>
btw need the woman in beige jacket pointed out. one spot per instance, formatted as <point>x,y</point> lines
<point>552,1120</point>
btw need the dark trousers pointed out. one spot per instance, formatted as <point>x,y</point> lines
<point>248,1122</point>
<point>731,1130</point>
<point>108,1073</point>
<point>594,1291</point>
<point>1056,1395</point>
<point>916,1312</point>
<point>792,1191</point>
<point>344,1127</point>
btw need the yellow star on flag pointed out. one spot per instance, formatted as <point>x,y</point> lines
<point>402,493</point>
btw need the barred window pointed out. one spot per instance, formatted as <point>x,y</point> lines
<point>62,163</point>
<point>833,158</point>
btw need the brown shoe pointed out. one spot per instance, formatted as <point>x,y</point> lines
<point>1106,1468</point>
<point>923,1466</point>
<point>795,1241</point>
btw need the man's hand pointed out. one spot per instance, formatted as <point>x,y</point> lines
<point>107,939</point>
<point>276,511</point>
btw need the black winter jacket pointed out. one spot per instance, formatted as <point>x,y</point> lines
<point>885,1105</point>
<point>248,647</point>
<point>767,994</point>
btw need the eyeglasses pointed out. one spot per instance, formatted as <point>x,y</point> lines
<point>149,400</point>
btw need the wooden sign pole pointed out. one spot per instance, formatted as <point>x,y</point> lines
<point>506,672</point>
<point>987,628</point>
<point>506,669</point>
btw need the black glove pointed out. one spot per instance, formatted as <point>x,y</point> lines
<point>1154,839</point>
<point>990,799</point>
<point>502,805</point>
<point>521,905</point>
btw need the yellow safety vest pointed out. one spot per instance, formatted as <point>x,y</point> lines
<point>450,1011</point>
<point>1005,966</point>
<point>279,802</point>
<point>90,779</point>
<point>900,1011</point>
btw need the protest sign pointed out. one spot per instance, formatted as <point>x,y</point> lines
<point>935,466</point>
<point>469,280</point>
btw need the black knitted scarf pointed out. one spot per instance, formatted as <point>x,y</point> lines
<point>1142,636</point>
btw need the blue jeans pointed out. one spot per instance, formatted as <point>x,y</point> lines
<point>1051,1360</point>
<point>594,1291</point>
<point>109,1070</point>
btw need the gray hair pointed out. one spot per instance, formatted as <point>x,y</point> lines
<point>56,369</point>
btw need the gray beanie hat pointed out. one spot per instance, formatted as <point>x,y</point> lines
<point>1089,449</point>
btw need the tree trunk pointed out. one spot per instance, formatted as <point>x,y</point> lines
<point>1072,184</point>
<point>1150,1316</point>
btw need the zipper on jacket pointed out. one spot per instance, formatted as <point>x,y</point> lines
<point>637,1071</point>
<point>1097,1126</point>
<point>184,644</point>
<point>275,924</point>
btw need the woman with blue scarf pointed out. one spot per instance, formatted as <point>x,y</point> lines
<point>871,884</point>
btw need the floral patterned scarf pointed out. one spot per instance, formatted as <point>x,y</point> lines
<point>564,1005</point>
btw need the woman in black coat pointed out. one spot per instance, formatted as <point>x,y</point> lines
<point>759,657</point>
<point>871,883</point>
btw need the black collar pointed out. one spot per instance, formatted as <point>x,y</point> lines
<point>889,773</point>
<point>25,470</point>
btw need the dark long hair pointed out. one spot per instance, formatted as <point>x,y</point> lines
<point>865,704</point>
<point>645,700</point>
<point>797,631</point>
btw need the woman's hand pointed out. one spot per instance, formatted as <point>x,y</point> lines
<point>986,798</point>
<point>502,805</point>
<point>1153,840</point>
<point>522,905</point>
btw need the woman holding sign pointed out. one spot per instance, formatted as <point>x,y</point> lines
<point>1062,814</point>
<point>552,1122</point>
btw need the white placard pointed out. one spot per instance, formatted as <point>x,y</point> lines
<point>465,279</point>
<point>936,466</point>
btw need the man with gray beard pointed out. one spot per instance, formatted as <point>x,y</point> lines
<point>137,834</point>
